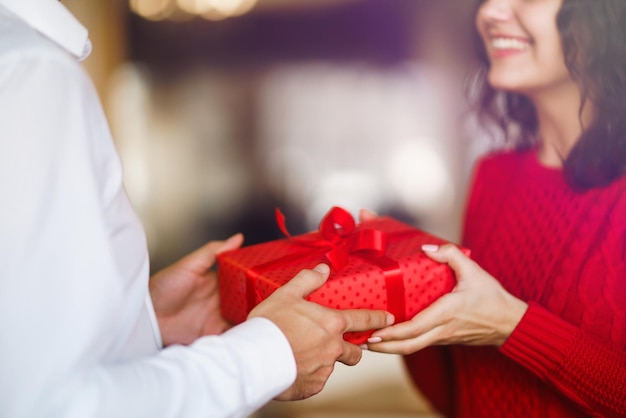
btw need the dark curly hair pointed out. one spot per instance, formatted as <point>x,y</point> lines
<point>593,35</point>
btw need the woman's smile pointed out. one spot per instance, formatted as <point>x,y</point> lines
<point>502,45</point>
<point>523,45</point>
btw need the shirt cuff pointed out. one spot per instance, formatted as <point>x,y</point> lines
<point>539,340</point>
<point>270,366</point>
<point>156,331</point>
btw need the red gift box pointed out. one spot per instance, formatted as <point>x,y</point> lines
<point>376,264</point>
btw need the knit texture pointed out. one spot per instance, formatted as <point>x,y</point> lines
<point>564,252</point>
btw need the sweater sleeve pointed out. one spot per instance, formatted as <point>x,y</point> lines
<point>590,373</point>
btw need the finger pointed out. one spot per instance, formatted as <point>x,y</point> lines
<point>351,355</point>
<point>449,254</point>
<point>402,347</point>
<point>402,331</point>
<point>231,243</point>
<point>365,319</point>
<point>433,317</point>
<point>307,281</point>
<point>204,257</point>
<point>367,215</point>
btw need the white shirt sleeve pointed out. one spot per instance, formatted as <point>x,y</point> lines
<point>74,273</point>
<point>223,376</point>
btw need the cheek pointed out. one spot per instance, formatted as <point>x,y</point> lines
<point>481,30</point>
<point>479,19</point>
<point>551,47</point>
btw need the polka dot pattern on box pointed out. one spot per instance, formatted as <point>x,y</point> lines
<point>360,284</point>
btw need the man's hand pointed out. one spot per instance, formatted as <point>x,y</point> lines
<point>186,295</point>
<point>314,331</point>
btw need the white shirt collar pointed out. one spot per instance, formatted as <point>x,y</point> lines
<point>53,20</point>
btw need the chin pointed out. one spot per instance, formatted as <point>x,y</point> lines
<point>509,85</point>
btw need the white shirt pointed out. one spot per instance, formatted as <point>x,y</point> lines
<point>78,334</point>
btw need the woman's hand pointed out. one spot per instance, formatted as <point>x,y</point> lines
<point>366,215</point>
<point>186,296</point>
<point>479,311</point>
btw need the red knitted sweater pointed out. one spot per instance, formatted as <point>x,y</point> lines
<point>563,252</point>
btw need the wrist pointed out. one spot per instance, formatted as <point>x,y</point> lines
<point>512,315</point>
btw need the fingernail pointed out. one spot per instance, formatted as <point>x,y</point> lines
<point>322,268</point>
<point>364,347</point>
<point>390,319</point>
<point>431,248</point>
<point>373,340</point>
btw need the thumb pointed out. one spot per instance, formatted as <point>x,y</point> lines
<point>204,257</point>
<point>448,254</point>
<point>231,243</point>
<point>307,281</point>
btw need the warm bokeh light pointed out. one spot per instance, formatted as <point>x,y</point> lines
<point>213,15</point>
<point>419,176</point>
<point>350,189</point>
<point>233,7</point>
<point>195,7</point>
<point>153,9</point>
<point>359,137</point>
<point>174,9</point>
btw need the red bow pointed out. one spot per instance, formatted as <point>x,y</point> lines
<point>338,233</point>
<point>339,239</point>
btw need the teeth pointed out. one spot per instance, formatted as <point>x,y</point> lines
<point>508,43</point>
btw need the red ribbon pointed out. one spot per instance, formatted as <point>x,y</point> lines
<point>338,236</point>
<point>339,240</point>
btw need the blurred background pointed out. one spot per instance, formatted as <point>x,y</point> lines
<point>223,110</point>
